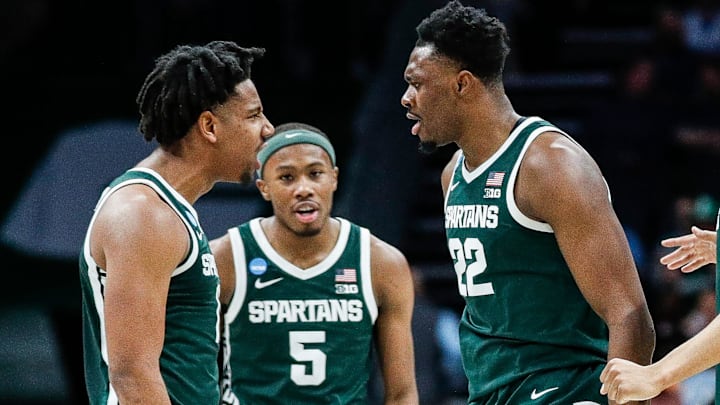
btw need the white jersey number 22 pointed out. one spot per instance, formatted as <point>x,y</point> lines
<point>469,257</point>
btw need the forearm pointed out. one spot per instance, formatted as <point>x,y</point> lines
<point>136,389</point>
<point>404,397</point>
<point>692,357</point>
<point>399,377</point>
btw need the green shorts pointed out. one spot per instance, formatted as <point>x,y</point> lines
<point>565,386</point>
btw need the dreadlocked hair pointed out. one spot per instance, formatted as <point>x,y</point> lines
<point>187,81</point>
<point>469,36</point>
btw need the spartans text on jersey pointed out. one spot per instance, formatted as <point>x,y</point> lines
<point>471,216</point>
<point>320,310</point>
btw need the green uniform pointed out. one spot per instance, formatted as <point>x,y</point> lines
<point>524,315</point>
<point>299,336</point>
<point>188,361</point>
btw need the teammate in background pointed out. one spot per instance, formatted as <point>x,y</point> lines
<point>149,281</point>
<point>305,293</point>
<point>550,287</point>
<point>625,380</point>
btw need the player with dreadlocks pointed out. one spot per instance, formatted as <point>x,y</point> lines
<point>149,280</point>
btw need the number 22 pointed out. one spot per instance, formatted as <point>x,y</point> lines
<point>471,250</point>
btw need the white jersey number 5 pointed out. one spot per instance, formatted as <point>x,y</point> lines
<point>469,257</point>
<point>307,374</point>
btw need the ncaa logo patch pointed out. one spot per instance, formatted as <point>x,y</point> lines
<point>257,266</point>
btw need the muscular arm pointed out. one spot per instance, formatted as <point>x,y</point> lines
<point>139,240</point>
<point>393,286</point>
<point>560,184</point>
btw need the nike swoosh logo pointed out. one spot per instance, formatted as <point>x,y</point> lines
<point>259,284</point>
<point>535,395</point>
<point>288,136</point>
<point>452,186</point>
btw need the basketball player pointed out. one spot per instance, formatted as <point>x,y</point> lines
<point>306,294</point>
<point>542,262</point>
<point>148,279</point>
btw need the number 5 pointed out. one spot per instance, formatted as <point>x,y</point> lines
<point>318,359</point>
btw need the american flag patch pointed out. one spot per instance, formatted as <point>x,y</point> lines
<point>495,179</point>
<point>345,276</point>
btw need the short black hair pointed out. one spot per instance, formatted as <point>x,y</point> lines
<point>469,36</point>
<point>188,80</point>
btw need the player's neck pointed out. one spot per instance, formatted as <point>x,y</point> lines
<point>304,251</point>
<point>486,135</point>
<point>185,176</point>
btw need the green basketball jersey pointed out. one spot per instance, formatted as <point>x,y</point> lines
<point>523,311</point>
<point>299,336</point>
<point>188,361</point>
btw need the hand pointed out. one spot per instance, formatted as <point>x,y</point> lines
<point>624,381</point>
<point>694,250</point>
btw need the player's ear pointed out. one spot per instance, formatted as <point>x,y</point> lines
<point>206,124</point>
<point>463,81</point>
<point>335,178</point>
<point>262,187</point>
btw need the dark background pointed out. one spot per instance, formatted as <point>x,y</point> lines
<point>68,64</point>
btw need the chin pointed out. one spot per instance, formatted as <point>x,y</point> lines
<point>308,230</point>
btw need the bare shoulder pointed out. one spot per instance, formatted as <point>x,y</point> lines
<point>555,168</point>
<point>391,276</point>
<point>386,256</point>
<point>135,219</point>
<point>138,209</point>
<point>553,150</point>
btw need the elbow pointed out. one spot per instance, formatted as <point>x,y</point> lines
<point>636,328</point>
<point>645,327</point>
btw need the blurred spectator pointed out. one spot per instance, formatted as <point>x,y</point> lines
<point>701,26</point>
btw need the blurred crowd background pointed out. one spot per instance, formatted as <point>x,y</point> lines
<point>637,83</point>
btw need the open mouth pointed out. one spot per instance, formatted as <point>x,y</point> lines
<point>307,213</point>
<point>416,127</point>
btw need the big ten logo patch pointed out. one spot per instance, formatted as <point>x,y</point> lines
<point>346,289</point>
